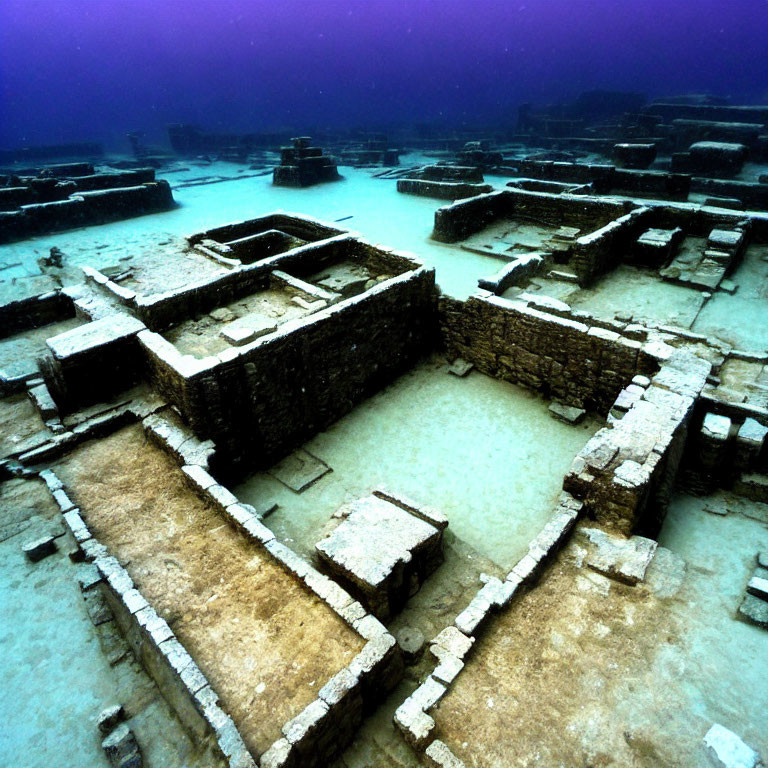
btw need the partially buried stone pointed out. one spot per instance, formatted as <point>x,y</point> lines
<point>567,413</point>
<point>39,548</point>
<point>411,642</point>
<point>460,367</point>
<point>121,748</point>
<point>728,750</point>
<point>755,611</point>
<point>110,717</point>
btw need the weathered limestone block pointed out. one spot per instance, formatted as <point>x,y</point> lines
<point>110,717</point>
<point>728,750</point>
<point>452,641</point>
<point>626,560</point>
<point>438,755</point>
<point>121,746</point>
<point>383,551</point>
<point>636,156</point>
<point>415,725</point>
<point>758,584</point>
<point>475,614</point>
<point>657,247</point>
<point>39,548</point>
<point>279,755</point>
<point>713,445</point>
<point>750,445</point>
<point>755,611</point>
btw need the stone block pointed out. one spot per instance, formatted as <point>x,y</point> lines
<point>64,502</point>
<point>120,744</point>
<point>526,568</point>
<point>110,717</point>
<point>198,477</point>
<point>570,414</point>
<point>438,755</point>
<point>306,722</point>
<point>299,470</point>
<point>758,586</point>
<point>454,641</point>
<point>279,755</point>
<point>415,725</point>
<point>39,548</point>
<point>221,496</point>
<point>755,611</point>
<point>470,619</point>
<point>728,750</point>
<point>383,551</point>
<point>448,669</point>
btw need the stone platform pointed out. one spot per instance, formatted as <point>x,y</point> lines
<point>384,549</point>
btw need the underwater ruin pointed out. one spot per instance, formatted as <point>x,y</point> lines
<point>458,461</point>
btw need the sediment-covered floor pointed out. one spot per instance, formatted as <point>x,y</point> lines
<point>585,670</point>
<point>265,644</point>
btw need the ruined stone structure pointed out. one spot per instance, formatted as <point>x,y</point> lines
<point>303,164</point>
<point>446,182</point>
<point>371,149</point>
<point>302,483</point>
<point>64,196</point>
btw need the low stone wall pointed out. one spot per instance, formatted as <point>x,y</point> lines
<point>453,644</point>
<point>303,226</point>
<point>316,735</point>
<point>265,398</point>
<point>156,647</point>
<point>161,311</point>
<point>650,184</point>
<point>131,178</point>
<point>463,218</point>
<point>34,312</point>
<point>607,179</point>
<point>443,190</point>
<point>600,251</point>
<point>582,365</point>
<point>85,209</point>
<point>753,196</point>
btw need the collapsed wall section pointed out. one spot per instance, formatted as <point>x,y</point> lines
<point>625,474</point>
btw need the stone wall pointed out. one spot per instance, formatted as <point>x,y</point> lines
<point>603,250</point>
<point>752,196</point>
<point>160,311</point>
<point>607,179</point>
<point>443,190</point>
<point>567,359</point>
<point>317,734</point>
<point>85,209</point>
<point>304,227</point>
<point>266,398</point>
<point>465,217</point>
<point>34,312</point>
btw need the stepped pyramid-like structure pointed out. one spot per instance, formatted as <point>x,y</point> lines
<point>302,165</point>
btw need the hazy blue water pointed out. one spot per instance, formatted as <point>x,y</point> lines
<point>75,69</point>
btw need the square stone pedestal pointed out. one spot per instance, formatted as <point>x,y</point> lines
<point>384,549</point>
